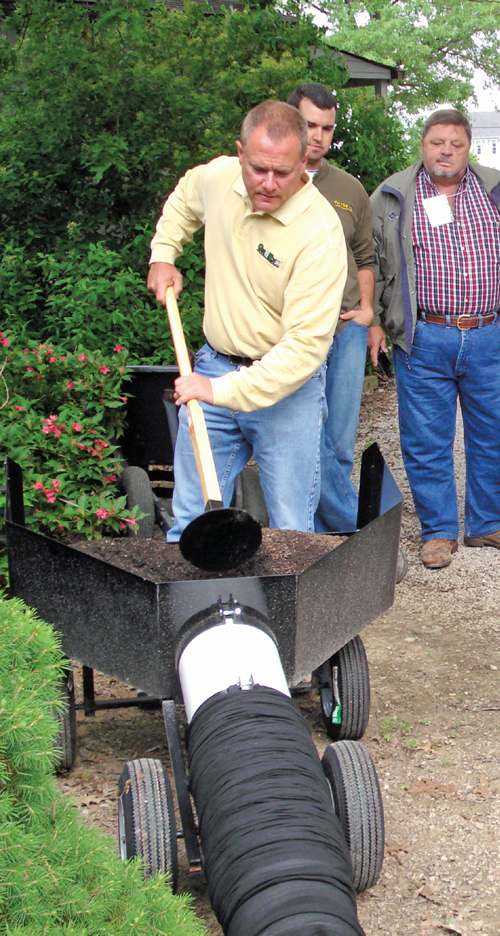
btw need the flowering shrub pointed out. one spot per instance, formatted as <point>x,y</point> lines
<point>60,416</point>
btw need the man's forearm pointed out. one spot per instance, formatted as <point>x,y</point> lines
<point>366,280</point>
<point>363,314</point>
<point>180,219</point>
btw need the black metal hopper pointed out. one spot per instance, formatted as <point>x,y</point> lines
<point>128,627</point>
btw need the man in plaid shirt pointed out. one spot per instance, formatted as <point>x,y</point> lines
<point>437,295</point>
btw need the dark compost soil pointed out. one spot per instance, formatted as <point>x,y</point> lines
<point>283,552</point>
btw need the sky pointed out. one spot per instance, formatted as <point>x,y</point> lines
<point>487,97</point>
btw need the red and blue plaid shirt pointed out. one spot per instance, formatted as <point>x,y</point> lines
<point>457,265</point>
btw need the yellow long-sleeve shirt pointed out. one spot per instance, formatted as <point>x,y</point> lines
<point>274,282</point>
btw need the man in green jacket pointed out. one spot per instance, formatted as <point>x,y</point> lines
<point>338,503</point>
<point>437,253</point>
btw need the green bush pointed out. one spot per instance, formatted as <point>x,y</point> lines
<point>101,112</point>
<point>89,296</point>
<point>58,878</point>
<point>61,415</point>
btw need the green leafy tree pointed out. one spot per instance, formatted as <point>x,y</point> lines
<point>101,112</point>
<point>440,43</point>
<point>99,116</point>
<point>369,141</point>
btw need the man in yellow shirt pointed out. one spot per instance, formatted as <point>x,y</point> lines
<point>275,272</point>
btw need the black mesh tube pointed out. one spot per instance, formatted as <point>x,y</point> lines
<point>276,860</point>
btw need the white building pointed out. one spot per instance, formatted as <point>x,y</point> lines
<point>486,137</point>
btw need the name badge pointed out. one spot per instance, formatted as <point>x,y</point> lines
<point>437,209</point>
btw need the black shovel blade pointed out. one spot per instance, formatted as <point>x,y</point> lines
<point>221,539</point>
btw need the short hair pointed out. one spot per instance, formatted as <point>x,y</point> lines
<point>317,93</point>
<point>279,120</point>
<point>450,116</point>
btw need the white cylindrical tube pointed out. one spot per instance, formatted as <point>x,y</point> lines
<point>226,655</point>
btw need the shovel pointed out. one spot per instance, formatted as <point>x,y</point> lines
<point>223,537</point>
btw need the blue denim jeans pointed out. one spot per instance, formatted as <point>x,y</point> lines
<point>446,364</point>
<point>284,439</point>
<point>338,502</point>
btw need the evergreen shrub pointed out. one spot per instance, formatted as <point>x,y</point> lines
<point>58,878</point>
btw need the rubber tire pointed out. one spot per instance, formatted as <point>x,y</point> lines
<point>66,722</point>
<point>248,495</point>
<point>353,684</point>
<point>357,800</point>
<point>137,487</point>
<point>401,566</point>
<point>146,818</point>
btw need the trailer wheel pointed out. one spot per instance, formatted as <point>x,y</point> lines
<point>146,819</point>
<point>66,725</point>
<point>248,495</point>
<point>351,774</point>
<point>401,566</point>
<point>137,487</point>
<point>345,692</point>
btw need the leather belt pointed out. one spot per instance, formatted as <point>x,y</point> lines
<point>240,361</point>
<point>234,358</point>
<point>462,322</point>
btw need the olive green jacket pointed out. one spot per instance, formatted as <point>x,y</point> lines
<point>395,289</point>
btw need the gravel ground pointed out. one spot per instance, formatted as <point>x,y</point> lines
<point>434,730</point>
<point>434,734</point>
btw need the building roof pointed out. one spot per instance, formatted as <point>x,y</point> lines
<point>485,124</point>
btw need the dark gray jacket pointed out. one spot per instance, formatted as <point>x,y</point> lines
<point>392,209</point>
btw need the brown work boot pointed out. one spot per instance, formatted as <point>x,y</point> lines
<point>437,553</point>
<point>489,539</point>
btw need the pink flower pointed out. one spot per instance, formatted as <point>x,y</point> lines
<point>131,522</point>
<point>52,360</point>
<point>52,426</point>
<point>26,351</point>
<point>30,370</point>
<point>119,348</point>
<point>99,446</point>
<point>102,514</point>
<point>50,496</point>
<point>81,357</point>
<point>21,408</point>
<point>38,486</point>
<point>77,427</point>
<point>70,385</point>
<point>56,485</point>
<point>80,445</point>
<point>104,370</point>
<point>123,399</point>
<point>38,377</point>
<point>5,342</point>
<point>110,478</point>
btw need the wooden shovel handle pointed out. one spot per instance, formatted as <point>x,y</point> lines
<point>197,427</point>
<point>181,351</point>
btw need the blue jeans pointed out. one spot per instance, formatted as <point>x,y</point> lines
<point>338,502</point>
<point>444,364</point>
<point>284,439</point>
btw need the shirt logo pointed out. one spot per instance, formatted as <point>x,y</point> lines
<point>392,216</point>
<point>341,204</point>
<point>268,255</point>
